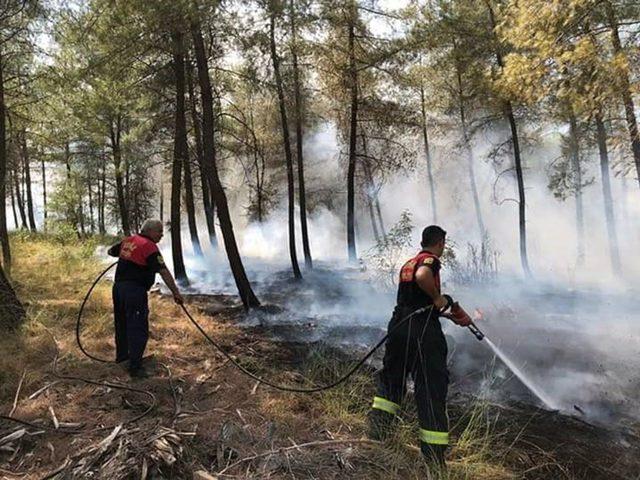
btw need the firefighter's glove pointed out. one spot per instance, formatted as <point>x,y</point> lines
<point>449,303</point>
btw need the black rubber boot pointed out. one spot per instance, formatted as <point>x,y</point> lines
<point>434,456</point>
<point>380,424</point>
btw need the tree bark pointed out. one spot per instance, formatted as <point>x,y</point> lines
<point>92,224</point>
<point>577,185</point>
<point>369,191</point>
<point>287,148</point>
<point>425,137</point>
<point>114,134</point>
<point>249,299</point>
<point>353,131</point>
<point>308,262</point>
<point>614,252</point>
<point>197,133</point>
<point>180,157</point>
<point>12,312</point>
<point>161,197</point>
<point>627,98</point>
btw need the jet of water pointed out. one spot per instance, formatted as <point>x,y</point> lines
<point>550,404</point>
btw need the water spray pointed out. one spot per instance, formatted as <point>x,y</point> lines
<point>458,314</point>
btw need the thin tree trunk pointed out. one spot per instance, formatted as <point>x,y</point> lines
<point>469,154</point>
<point>19,200</point>
<point>115,133</point>
<point>44,192</point>
<point>249,300</point>
<point>103,197</point>
<point>614,252</point>
<point>425,137</point>
<point>197,133</point>
<point>13,204</point>
<point>577,171</point>
<point>92,224</point>
<point>627,98</point>
<point>191,211</point>
<point>161,197</point>
<point>180,157</point>
<point>4,234</point>
<point>353,131</point>
<point>369,192</point>
<point>287,148</point>
<point>508,113</point>
<point>27,173</point>
<point>308,262</point>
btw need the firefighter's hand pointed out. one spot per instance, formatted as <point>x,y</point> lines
<point>441,302</point>
<point>177,297</point>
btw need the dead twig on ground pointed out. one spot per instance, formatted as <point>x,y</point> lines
<point>15,399</point>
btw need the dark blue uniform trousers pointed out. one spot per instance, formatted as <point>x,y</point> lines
<point>131,316</point>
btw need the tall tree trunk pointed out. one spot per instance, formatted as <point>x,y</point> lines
<point>353,131</point>
<point>13,203</point>
<point>287,148</point>
<point>521,196</point>
<point>249,299</point>
<point>191,210</point>
<point>19,199</point>
<point>161,197</point>
<point>12,312</point>
<point>577,185</point>
<point>614,252</point>
<point>197,133</point>
<point>103,197</point>
<point>180,157</point>
<point>425,137</point>
<point>469,153</point>
<point>115,133</point>
<point>369,192</point>
<point>308,262</point>
<point>92,224</point>
<point>627,98</point>
<point>27,174</point>
<point>4,234</point>
<point>44,192</point>
<point>517,158</point>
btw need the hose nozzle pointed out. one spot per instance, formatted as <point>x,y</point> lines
<point>476,331</point>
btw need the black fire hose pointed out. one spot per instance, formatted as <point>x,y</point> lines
<point>283,388</point>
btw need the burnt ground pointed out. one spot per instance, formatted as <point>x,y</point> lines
<point>209,418</point>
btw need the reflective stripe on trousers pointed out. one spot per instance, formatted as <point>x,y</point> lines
<point>433,437</point>
<point>385,405</point>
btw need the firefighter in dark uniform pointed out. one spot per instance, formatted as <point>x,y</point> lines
<point>417,347</point>
<point>139,261</point>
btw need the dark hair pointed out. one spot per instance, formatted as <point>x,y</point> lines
<point>432,235</point>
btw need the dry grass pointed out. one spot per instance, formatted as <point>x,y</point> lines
<point>52,278</point>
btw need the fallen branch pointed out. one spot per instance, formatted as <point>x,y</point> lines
<point>15,399</point>
<point>321,443</point>
<point>43,389</point>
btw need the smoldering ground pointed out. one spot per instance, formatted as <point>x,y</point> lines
<point>571,328</point>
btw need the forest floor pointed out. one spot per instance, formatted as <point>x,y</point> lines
<point>210,421</point>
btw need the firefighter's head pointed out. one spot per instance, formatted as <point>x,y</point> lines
<point>152,229</point>
<point>433,239</point>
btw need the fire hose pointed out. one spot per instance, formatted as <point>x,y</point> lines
<point>456,312</point>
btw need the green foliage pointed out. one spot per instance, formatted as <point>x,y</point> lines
<point>386,257</point>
